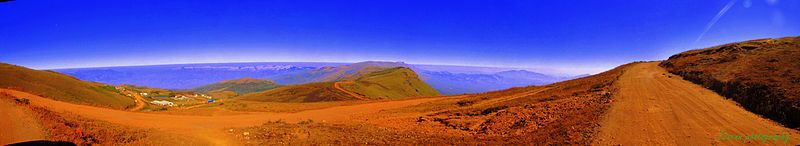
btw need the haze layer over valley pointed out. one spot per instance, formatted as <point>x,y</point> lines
<point>449,80</point>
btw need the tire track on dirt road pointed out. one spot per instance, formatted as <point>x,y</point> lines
<point>653,107</point>
<point>17,124</point>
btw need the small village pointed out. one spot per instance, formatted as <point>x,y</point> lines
<point>151,99</point>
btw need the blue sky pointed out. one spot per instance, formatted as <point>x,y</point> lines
<point>565,35</point>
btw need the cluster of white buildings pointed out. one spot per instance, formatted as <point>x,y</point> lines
<point>180,97</point>
<point>176,97</point>
<point>204,96</point>
<point>162,103</point>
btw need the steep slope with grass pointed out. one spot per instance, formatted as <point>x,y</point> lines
<point>239,86</point>
<point>391,83</point>
<point>762,75</point>
<point>61,87</point>
<point>394,83</point>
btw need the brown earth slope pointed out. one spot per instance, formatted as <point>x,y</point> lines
<point>761,75</point>
<point>209,128</point>
<point>561,113</point>
<point>653,107</point>
<point>62,87</point>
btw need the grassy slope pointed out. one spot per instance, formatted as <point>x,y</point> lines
<point>312,92</point>
<point>240,86</point>
<point>762,75</point>
<point>61,87</point>
<point>391,83</point>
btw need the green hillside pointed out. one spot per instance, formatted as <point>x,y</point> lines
<point>393,83</point>
<point>239,86</point>
<point>312,92</point>
<point>61,87</point>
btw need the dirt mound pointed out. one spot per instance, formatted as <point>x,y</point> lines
<point>762,75</point>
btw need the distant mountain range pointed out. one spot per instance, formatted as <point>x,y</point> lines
<point>458,83</point>
<point>447,80</point>
<point>187,76</point>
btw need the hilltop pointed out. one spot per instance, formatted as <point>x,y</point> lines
<point>355,70</point>
<point>62,87</point>
<point>390,83</point>
<point>761,75</point>
<point>238,86</point>
<point>393,83</point>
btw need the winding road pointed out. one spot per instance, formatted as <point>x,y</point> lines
<point>138,99</point>
<point>338,86</point>
<point>653,107</point>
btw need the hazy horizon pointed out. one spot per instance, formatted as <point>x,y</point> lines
<point>430,67</point>
<point>562,36</point>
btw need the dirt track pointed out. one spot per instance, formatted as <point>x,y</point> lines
<point>138,100</point>
<point>212,128</point>
<point>17,124</point>
<point>338,86</point>
<point>653,109</point>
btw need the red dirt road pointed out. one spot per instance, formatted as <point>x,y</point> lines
<point>651,108</point>
<point>212,128</point>
<point>338,86</point>
<point>17,124</point>
<point>138,100</point>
